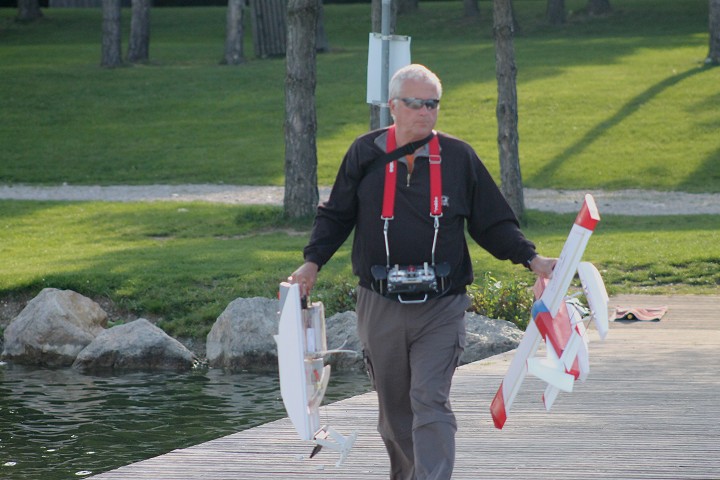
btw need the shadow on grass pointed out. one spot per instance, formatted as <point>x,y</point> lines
<point>632,106</point>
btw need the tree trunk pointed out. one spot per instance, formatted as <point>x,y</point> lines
<point>234,33</point>
<point>406,6</point>
<point>111,34</point>
<point>507,117</point>
<point>301,192</point>
<point>598,7</point>
<point>471,8</point>
<point>139,47</point>
<point>269,25</point>
<point>556,12</point>
<point>269,20</point>
<point>322,44</point>
<point>28,10</point>
<point>376,27</point>
<point>376,16</point>
<point>713,57</point>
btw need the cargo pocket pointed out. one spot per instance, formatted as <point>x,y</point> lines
<point>369,369</point>
<point>459,348</point>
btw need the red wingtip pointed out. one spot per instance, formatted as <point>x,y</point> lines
<point>497,409</point>
<point>588,216</point>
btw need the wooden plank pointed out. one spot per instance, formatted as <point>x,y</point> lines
<point>649,410</point>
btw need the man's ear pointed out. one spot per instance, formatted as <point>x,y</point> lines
<point>392,106</point>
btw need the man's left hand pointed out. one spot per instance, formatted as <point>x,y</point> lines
<point>543,266</point>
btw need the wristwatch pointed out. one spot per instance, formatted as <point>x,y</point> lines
<point>527,262</point>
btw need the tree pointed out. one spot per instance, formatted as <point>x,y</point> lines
<point>234,33</point>
<point>471,8</point>
<point>322,44</point>
<point>28,10</point>
<point>139,47</point>
<point>111,34</point>
<point>507,116</point>
<point>407,6</point>
<point>301,192</point>
<point>269,28</point>
<point>713,57</point>
<point>598,7</point>
<point>555,12</point>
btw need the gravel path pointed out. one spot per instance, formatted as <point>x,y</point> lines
<point>626,202</point>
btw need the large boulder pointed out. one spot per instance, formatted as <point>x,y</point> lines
<point>243,336</point>
<point>486,337</point>
<point>341,331</point>
<point>53,328</point>
<point>137,345</point>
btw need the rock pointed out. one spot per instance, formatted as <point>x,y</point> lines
<point>486,337</point>
<point>242,336</point>
<point>53,328</point>
<point>341,331</point>
<point>138,345</point>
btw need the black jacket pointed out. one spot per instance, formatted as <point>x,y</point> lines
<point>470,196</point>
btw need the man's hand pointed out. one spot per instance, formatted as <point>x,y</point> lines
<point>305,276</point>
<point>543,266</point>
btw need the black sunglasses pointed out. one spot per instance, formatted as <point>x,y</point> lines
<point>418,103</point>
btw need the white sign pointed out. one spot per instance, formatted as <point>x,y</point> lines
<point>399,57</point>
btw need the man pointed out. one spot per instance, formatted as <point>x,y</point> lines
<point>412,261</point>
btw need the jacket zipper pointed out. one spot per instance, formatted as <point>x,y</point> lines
<point>409,170</point>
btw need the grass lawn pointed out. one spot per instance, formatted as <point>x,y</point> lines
<point>182,264</point>
<point>612,102</point>
<point>621,101</point>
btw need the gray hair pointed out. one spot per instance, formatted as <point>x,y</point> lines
<point>413,71</point>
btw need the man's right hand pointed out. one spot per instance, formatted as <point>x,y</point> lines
<point>305,276</point>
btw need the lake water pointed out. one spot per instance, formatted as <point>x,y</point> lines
<point>61,424</point>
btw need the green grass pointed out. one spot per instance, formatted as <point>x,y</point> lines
<point>615,102</point>
<point>181,264</point>
<point>625,97</point>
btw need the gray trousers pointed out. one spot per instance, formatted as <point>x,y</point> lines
<point>412,352</point>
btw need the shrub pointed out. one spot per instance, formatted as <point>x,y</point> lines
<point>337,297</point>
<point>511,300</point>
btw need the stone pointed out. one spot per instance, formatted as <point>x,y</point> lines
<point>53,328</point>
<point>341,331</point>
<point>486,337</point>
<point>243,336</point>
<point>137,345</point>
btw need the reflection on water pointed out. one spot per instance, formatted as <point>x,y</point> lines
<point>59,423</point>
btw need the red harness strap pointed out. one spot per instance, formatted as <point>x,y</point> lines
<point>388,209</point>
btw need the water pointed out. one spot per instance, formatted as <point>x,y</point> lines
<point>61,424</point>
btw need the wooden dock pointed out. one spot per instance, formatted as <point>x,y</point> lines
<point>650,409</point>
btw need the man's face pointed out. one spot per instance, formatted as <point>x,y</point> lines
<point>414,124</point>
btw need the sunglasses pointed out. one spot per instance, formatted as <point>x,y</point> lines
<point>418,103</point>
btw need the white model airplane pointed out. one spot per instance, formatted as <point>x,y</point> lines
<point>560,321</point>
<point>302,345</point>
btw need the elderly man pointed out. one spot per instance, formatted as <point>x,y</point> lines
<point>409,208</point>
